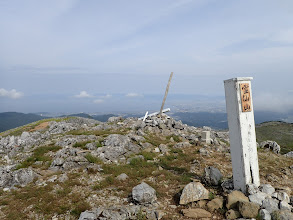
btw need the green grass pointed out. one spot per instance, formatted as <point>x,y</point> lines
<point>81,144</point>
<point>18,131</point>
<point>93,159</point>
<point>45,200</point>
<point>280,132</point>
<point>39,155</point>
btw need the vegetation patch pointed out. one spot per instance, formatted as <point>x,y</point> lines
<point>39,155</point>
<point>93,159</point>
<point>280,132</point>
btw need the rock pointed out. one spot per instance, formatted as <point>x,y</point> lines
<point>215,204</point>
<point>282,215</point>
<point>164,148</point>
<point>285,206</point>
<point>201,204</point>
<point>270,204</point>
<point>258,197</point>
<point>156,150</point>
<point>264,214</point>
<point>196,213</point>
<point>267,188</point>
<point>88,215</point>
<point>122,177</point>
<point>213,175</point>
<point>252,189</point>
<point>234,197</point>
<point>289,154</point>
<point>271,145</point>
<point>232,214</point>
<point>182,145</point>
<point>193,192</point>
<point>291,200</point>
<point>227,186</point>
<point>144,194</point>
<point>63,177</point>
<point>118,146</point>
<point>204,152</point>
<point>283,196</point>
<point>115,119</point>
<point>248,209</point>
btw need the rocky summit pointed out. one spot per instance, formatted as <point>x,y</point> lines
<point>160,168</point>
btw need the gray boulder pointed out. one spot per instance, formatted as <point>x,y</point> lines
<point>118,146</point>
<point>213,175</point>
<point>270,204</point>
<point>21,177</point>
<point>267,188</point>
<point>144,194</point>
<point>272,145</point>
<point>289,154</point>
<point>264,214</point>
<point>258,197</point>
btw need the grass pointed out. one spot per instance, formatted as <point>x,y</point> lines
<point>93,159</point>
<point>81,144</point>
<point>18,131</point>
<point>44,201</point>
<point>39,155</point>
<point>280,132</point>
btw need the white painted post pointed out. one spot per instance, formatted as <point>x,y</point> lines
<point>206,137</point>
<point>242,132</point>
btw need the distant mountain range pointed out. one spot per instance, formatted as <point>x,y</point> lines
<point>9,120</point>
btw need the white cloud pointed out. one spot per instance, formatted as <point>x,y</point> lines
<point>284,36</point>
<point>106,96</point>
<point>83,94</point>
<point>132,94</point>
<point>98,101</point>
<point>13,94</point>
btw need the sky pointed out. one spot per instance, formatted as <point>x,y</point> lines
<point>111,56</point>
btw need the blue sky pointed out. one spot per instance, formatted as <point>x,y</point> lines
<point>100,56</point>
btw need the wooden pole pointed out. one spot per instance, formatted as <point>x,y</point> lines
<point>166,93</point>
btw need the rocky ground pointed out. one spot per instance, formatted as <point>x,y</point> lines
<point>77,168</point>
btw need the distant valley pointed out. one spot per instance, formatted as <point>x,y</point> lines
<point>218,120</point>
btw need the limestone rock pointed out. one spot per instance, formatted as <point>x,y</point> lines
<point>283,196</point>
<point>289,154</point>
<point>122,177</point>
<point>271,145</point>
<point>264,214</point>
<point>213,175</point>
<point>282,215</point>
<point>144,194</point>
<point>267,188</point>
<point>182,145</point>
<point>285,206</point>
<point>258,197</point>
<point>164,148</point>
<point>252,189</point>
<point>232,214</point>
<point>215,204</point>
<point>270,204</point>
<point>234,197</point>
<point>248,209</point>
<point>193,192</point>
<point>196,213</point>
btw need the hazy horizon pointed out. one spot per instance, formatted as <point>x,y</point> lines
<point>107,56</point>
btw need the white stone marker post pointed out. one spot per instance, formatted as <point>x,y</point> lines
<point>242,132</point>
